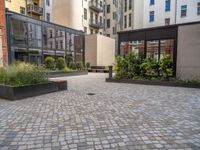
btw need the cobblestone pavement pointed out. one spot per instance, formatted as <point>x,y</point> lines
<point>118,116</point>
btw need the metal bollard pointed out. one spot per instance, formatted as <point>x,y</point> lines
<point>110,71</point>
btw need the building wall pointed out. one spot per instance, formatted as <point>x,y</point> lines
<point>191,11</point>
<point>138,7</point>
<point>188,53</point>
<point>99,50</point>
<point>68,13</point>
<point>91,49</point>
<point>3,51</point>
<point>105,51</point>
<point>159,13</point>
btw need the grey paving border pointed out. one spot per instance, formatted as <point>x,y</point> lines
<point>66,74</point>
<point>159,83</point>
<point>20,92</point>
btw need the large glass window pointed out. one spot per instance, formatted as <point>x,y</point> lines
<point>198,8</point>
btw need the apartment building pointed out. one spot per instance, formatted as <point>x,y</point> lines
<point>168,12</point>
<point>37,9</point>
<point>86,15</point>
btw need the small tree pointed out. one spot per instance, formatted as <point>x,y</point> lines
<point>165,66</point>
<point>87,65</point>
<point>60,63</point>
<point>49,63</point>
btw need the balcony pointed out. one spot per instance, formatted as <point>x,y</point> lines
<point>31,8</point>
<point>96,24</point>
<point>95,6</point>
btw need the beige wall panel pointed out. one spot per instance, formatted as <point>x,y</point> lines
<point>188,52</point>
<point>91,49</point>
<point>105,51</point>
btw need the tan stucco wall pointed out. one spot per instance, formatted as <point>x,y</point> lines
<point>99,50</point>
<point>188,52</point>
<point>105,51</point>
<point>68,13</point>
<point>91,49</point>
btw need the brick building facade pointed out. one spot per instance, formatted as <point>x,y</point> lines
<point>3,48</point>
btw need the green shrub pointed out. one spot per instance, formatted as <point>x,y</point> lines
<point>66,69</point>
<point>23,74</point>
<point>60,63</point>
<point>49,63</point>
<point>134,62</point>
<point>87,65</point>
<point>165,66</point>
<point>72,65</point>
<point>149,67</point>
<point>79,66</point>
<point>121,67</point>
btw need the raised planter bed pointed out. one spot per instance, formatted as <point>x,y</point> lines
<point>150,82</point>
<point>66,74</point>
<point>20,92</point>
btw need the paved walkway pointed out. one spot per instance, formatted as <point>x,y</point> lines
<point>118,116</point>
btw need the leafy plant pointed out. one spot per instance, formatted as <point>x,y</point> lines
<point>66,69</point>
<point>49,63</point>
<point>149,67</point>
<point>87,65</point>
<point>23,74</point>
<point>165,66</point>
<point>60,63</point>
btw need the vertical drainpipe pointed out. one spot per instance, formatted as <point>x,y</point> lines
<point>8,30</point>
<point>175,21</point>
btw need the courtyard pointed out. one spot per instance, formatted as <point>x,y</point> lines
<point>97,115</point>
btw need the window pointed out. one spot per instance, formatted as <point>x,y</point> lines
<point>47,17</point>
<point>91,31</point>
<point>85,30</point>
<point>22,10</point>
<point>130,4</point>
<point>152,2</point>
<point>183,10</point>
<point>167,5</point>
<point>125,21</point>
<point>108,35</point>
<point>151,16</point>
<point>50,33</point>
<point>108,9</point>
<point>198,8</point>
<point>129,22</point>
<point>125,5</point>
<point>101,20</point>
<point>114,30</point>
<point>108,23</point>
<point>85,14</point>
<point>8,0</point>
<point>167,21</point>
<point>47,3</point>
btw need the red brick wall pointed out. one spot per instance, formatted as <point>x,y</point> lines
<point>3,27</point>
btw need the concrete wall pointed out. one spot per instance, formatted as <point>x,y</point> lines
<point>188,52</point>
<point>105,51</point>
<point>91,49</point>
<point>99,50</point>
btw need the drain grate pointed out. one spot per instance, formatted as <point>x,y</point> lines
<point>90,94</point>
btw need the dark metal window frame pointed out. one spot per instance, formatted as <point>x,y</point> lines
<point>158,33</point>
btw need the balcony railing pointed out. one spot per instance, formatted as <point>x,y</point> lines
<point>31,8</point>
<point>96,6</point>
<point>96,24</point>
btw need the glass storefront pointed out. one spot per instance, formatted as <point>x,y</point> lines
<point>33,40</point>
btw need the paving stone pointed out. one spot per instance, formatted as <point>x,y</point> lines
<point>118,116</point>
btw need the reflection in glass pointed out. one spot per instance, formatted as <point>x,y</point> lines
<point>132,46</point>
<point>152,49</point>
